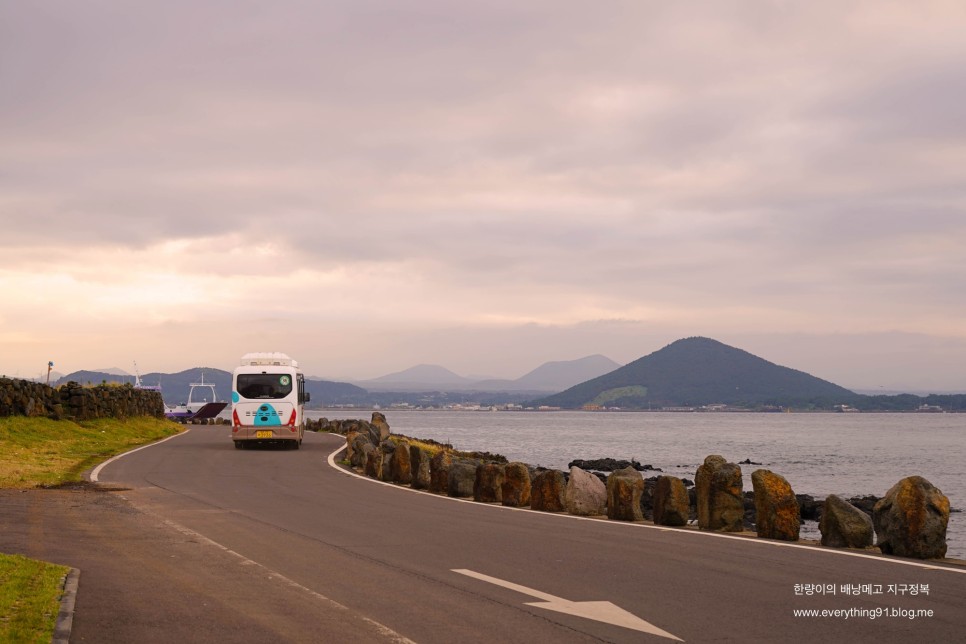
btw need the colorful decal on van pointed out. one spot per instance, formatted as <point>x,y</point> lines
<point>267,415</point>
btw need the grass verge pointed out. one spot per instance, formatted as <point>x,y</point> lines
<point>42,452</point>
<point>29,598</point>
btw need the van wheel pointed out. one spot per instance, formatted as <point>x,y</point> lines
<point>239,445</point>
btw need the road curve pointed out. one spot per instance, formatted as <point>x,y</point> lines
<point>429,569</point>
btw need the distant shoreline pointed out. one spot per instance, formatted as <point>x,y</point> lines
<point>361,408</point>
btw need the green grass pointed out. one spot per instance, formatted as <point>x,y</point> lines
<point>29,598</point>
<point>432,447</point>
<point>42,452</point>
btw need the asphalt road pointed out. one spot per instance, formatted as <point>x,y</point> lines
<point>282,541</point>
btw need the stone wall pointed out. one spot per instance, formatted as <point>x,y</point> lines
<point>26,398</point>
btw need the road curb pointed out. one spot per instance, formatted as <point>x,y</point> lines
<point>65,618</point>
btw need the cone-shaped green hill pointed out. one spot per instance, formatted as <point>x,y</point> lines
<point>701,371</point>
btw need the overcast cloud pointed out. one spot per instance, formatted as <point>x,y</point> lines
<point>486,186</point>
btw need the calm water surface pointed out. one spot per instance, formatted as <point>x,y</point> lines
<point>819,454</point>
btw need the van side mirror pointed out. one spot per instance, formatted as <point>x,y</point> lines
<point>308,397</point>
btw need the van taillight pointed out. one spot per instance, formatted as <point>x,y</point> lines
<point>291,421</point>
<point>234,418</point>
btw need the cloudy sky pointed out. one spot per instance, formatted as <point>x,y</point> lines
<point>484,185</point>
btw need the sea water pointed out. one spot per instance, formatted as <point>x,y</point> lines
<point>819,454</point>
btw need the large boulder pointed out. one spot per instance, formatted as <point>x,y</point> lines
<point>516,485</point>
<point>439,467</point>
<point>488,487</point>
<point>777,515</point>
<point>401,464</point>
<point>357,426</point>
<point>672,505</point>
<point>362,456</point>
<point>388,449</point>
<point>373,466</point>
<point>349,450</point>
<point>585,494</point>
<point>356,445</point>
<point>911,520</point>
<point>624,490</point>
<point>720,501</point>
<point>380,424</point>
<point>843,525</point>
<point>547,491</point>
<point>462,477</point>
<point>419,465</point>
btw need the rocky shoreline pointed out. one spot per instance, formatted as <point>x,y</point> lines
<point>910,520</point>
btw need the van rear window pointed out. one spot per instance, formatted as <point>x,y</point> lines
<point>264,385</point>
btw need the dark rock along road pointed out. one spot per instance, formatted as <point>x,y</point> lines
<point>280,545</point>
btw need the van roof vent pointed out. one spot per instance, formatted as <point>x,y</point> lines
<point>273,358</point>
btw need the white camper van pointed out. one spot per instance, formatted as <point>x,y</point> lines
<point>267,398</point>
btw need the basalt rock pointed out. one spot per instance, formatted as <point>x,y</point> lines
<point>388,450</point>
<point>374,462</point>
<point>609,465</point>
<point>354,441</point>
<point>585,494</point>
<point>865,503</point>
<point>547,491</point>
<point>488,486</point>
<point>624,490</point>
<point>419,464</point>
<point>719,495</point>
<point>671,503</point>
<point>439,467</point>
<point>776,508</point>
<point>516,485</point>
<point>362,456</point>
<point>401,464</point>
<point>808,507</point>
<point>843,525</point>
<point>911,520</point>
<point>355,426</point>
<point>462,477</point>
<point>379,422</point>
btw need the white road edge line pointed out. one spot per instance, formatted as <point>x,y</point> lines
<point>624,524</point>
<point>96,472</point>
<point>188,532</point>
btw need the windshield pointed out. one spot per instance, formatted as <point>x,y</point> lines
<point>264,385</point>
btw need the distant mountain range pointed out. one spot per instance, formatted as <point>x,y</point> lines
<point>175,387</point>
<point>701,371</point>
<point>688,373</point>
<point>548,377</point>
